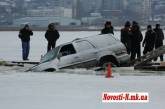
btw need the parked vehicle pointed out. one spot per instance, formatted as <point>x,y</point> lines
<point>86,52</point>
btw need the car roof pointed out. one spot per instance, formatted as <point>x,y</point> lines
<point>95,39</point>
<point>100,40</point>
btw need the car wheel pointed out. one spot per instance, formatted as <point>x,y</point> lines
<point>106,64</point>
<point>105,61</point>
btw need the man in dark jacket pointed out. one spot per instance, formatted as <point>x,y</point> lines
<point>108,28</point>
<point>136,39</point>
<point>126,36</point>
<point>159,39</point>
<point>149,40</point>
<point>24,35</point>
<point>51,35</point>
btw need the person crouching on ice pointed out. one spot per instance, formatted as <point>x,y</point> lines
<point>51,35</point>
<point>24,35</point>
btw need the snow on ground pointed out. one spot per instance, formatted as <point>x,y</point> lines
<point>70,91</point>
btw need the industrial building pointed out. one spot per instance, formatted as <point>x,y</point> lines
<point>44,21</point>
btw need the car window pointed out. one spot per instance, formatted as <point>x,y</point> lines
<point>50,55</point>
<point>83,45</point>
<point>67,50</point>
<point>104,40</point>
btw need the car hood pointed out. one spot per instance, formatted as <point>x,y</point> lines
<point>46,65</point>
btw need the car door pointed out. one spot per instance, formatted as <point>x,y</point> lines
<point>68,56</point>
<point>87,52</point>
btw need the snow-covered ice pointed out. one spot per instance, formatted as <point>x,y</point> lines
<point>61,91</point>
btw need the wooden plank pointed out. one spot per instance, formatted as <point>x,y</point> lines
<point>150,68</point>
<point>24,62</point>
<point>149,56</point>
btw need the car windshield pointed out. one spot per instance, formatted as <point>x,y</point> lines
<point>50,55</point>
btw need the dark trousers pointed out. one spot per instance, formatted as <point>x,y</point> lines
<point>157,45</point>
<point>147,49</point>
<point>51,45</point>
<point>128,48</point>
<point>135,51</point>
<point>25,50</point>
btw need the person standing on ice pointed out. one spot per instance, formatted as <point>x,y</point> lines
<point>108,28</point>
<point>149,40</point>
<point>126,36</point>
<point>51,36</point>
<point>24,35</point>
<point>159,39</point>
<point>136,39</point>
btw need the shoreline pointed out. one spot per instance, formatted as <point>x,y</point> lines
<point>90,28</point>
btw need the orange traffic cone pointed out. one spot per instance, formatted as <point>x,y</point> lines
<point>109,72</point>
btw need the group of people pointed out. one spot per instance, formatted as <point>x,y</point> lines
<point>132,37</point>
<point>51,36</point>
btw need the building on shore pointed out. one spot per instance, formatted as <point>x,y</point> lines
<point>57,11</point>
<point>139,10</point>
<point>44,21</point>
<point>112,8</point>
<point>5,13</point>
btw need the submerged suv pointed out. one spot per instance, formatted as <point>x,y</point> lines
<point>86,52</point>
